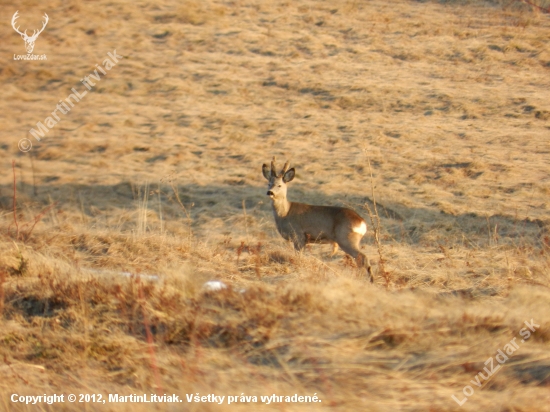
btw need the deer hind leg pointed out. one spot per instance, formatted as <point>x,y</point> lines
<point>350,245</point>
<point>363,262</point>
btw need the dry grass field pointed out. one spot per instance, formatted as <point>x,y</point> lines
<point>437,112</point>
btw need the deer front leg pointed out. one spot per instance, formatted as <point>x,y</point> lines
<point>299,242</point>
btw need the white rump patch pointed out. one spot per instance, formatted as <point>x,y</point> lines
<point>361,229</point>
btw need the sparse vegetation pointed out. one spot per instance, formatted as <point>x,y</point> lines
<point>437,111</point>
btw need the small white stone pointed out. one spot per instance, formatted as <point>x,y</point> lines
<point>214,285</point>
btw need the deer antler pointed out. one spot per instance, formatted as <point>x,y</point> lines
<point>35,34</point>
<point>15,17</point>
<point>273,170</point>
<point>285,167</point>
<point>45,23</point>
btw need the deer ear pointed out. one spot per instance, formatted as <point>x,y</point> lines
<point>289,175</point>
<point>266,171</point>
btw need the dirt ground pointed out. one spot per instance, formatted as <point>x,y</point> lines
<point>430,119</point>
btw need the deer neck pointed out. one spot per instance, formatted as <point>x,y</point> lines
<point>281,207</point>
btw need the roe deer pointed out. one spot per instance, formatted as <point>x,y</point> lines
<point>304,224</point>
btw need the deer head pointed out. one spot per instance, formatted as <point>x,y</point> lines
<point>276,188</point>
<point>29,41</point>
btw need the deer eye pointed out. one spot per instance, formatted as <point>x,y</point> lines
<point>279,186</point>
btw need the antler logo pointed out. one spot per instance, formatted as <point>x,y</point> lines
<point>29,41</point>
